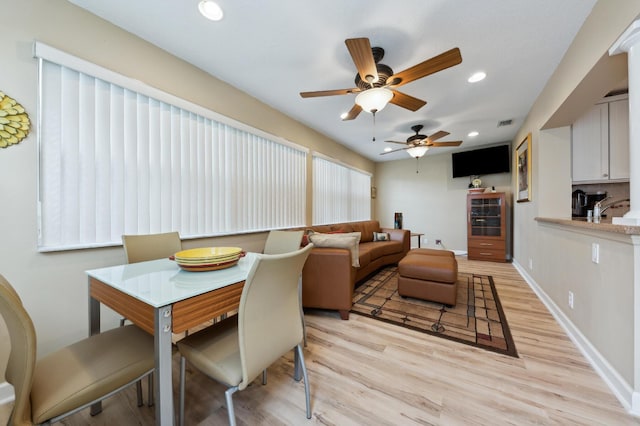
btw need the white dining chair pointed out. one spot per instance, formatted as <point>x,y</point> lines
<point>235,351</point>
<point>74,377</point>
<point>143,247</point>
<point>284,242</point>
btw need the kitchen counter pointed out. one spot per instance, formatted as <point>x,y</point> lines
<point>604,225</point>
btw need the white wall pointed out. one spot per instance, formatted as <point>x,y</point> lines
<point>431,201</point>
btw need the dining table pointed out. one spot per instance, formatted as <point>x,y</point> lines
<point>161,298</point>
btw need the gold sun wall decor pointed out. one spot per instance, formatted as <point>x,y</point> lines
<point>14,121</point>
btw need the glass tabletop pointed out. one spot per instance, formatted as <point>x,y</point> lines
<point>161,282</point>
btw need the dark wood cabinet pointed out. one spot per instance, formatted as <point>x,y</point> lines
<point>486,227</point>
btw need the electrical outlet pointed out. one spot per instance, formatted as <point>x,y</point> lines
<point>438,242</point>
<point>425,240</point>
<point>595,252</point>
<point>571,299</point>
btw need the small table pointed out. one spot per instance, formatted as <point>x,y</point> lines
<point>419,235</point>
<point>162,299</point>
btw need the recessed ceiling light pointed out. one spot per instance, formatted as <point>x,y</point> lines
<point>344,115</point>
<point>477,77</point>
<point>387,149</point>
<point>473,134</point>
<point>210,10</point>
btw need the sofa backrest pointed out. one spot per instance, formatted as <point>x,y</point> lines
<point>365,227</point>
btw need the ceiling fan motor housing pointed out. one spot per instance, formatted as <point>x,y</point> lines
<point>417,138</point>
<point>384,72</point>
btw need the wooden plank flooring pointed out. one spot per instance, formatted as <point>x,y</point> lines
<point>364,371</point>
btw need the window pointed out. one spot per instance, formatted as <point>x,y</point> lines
<point>340,193</point>
<point>119,157</point>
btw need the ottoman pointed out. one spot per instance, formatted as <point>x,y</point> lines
<point>429,274</point>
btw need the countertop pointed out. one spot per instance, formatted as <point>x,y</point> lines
<point>604,225</point>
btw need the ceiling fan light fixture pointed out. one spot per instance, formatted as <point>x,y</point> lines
<point>375,99</point>
<point>418,151</point>
<point>210,10</point>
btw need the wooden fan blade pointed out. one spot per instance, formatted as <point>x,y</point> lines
<point>401,143</point>
<point>437,144</point>
<point>329,92</point>
<point>353,113</point>
<point>360,50</point>
<point>437,135</point>
<point>430,66</point>
<point>406,101</point>
<point>395,150</point>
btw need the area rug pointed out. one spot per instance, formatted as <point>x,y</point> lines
<point>477,318</point>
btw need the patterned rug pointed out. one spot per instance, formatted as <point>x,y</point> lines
<point>477,319</point>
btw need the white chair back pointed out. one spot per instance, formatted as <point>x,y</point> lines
<point>269,313</point>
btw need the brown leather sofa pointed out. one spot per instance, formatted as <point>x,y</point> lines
<point>328,277</point>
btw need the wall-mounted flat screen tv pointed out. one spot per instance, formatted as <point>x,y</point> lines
<point>483,161</point>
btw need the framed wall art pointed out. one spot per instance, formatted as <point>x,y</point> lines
<point>523,170</point>
<point>14,121</point>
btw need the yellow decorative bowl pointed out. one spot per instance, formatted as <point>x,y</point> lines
<point>208,254</point>
<point>208,258</point>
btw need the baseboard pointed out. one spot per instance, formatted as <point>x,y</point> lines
<point>6,393</point>
<point>622,390</point>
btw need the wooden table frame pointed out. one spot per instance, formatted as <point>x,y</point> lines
<point>162,322</point>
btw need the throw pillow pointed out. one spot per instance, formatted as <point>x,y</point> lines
<point>350,240</point>
<point>381,236</point>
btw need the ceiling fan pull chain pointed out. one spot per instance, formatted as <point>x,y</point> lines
<point>417,164</point>
<point>373,111</point>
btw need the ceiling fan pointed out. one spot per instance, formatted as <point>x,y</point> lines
<point>417,145</point>
<point>376,83</point>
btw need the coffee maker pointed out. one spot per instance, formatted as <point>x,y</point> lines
<point>578,203</point>
<point>582,201</point>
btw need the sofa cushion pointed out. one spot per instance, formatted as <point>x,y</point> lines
<point>364,257</point>
<point>349,241</point>
<point>377,249</point>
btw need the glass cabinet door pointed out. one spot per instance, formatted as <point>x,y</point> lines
<point>485,217</point>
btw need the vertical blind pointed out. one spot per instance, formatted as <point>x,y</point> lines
<point>114,161</point>
<point>340,193</point>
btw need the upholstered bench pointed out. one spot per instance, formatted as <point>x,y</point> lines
<point>429,274</point>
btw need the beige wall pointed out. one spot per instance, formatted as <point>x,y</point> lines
<point>431,201</point>
<point>557,260</point>
<point>53,285</point>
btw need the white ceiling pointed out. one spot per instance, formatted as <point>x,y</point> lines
<point>275,49</point>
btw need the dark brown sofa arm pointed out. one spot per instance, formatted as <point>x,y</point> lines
<point>328,280</point>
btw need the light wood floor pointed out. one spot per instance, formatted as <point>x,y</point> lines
<point>364,371</point>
